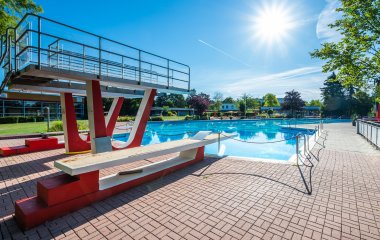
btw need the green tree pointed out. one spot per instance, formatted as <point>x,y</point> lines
<point>356,57</point>
<point>314,103</point>
<point>12,10</point>
<point>362,103</point>
<point>293,102</point>
<point>242,106</point>
<point>171,100</point>
<point>218,98</point>
<point>270,100</point>
<point>229,100</point>
<point>334,98</point>
<point>253,103</point>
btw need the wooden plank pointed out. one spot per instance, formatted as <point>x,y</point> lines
<point>86,163</point>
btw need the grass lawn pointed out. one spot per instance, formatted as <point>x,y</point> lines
<point>39,127</point>
<point>20,128</point>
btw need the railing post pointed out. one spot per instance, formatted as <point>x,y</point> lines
<point>39,43</point>
<point>304,143</point>
<point>9,54</point>
<point>15,58</point>
<point>168,64</point>
<point>188,83</point>
<point>218,142</point>
<point>122,67</point>
<point>84,60</point>
<point>100,58</point>
<point>357,127</point>
<point>315,135</point>
<point>139,67</point>
<point>297,147</point>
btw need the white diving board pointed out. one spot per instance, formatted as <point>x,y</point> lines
<point>86,163</point>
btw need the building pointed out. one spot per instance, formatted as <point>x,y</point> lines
<point>228,107</point>
<point>36,105</point>
<point>306,110</point>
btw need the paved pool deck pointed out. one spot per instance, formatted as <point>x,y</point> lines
<point>219,198</point>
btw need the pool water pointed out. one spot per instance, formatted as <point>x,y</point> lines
<point>268,139</point>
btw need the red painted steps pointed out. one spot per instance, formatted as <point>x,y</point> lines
<point>32,145</point>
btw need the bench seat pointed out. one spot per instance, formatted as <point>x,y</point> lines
<point>86,163</point>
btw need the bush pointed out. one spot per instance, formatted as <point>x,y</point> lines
<point>125,118</point>
<point>172,114</point>
<point>57,126</point>
<point>278,115</point>
<point>188,117</point>
<point>19,119</point>
<point>157,118</point>
<point>263,115</point>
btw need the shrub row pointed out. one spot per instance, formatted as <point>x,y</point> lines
<point>156,118</point>
<point>125,118</point>
<point>196,117</point>
<point>18,119</point>
<point>57,126</point>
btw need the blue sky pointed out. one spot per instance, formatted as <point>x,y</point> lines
<point>218,39</point>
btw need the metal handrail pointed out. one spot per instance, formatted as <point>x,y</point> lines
<point>181,74</point>
<point>95,60</point>
<point>95,35</point>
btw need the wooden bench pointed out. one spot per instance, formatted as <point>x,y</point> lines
<point>80,184</point>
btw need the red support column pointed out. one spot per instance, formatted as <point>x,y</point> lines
<point>73,142</point>
<point>100,142</point>
<point>113,113</point>
<point>137,133</point>
<point>378,112</point>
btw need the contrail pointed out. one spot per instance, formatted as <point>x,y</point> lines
<point>223,52</point>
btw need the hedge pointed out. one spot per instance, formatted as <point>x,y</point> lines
<point>18,119</point>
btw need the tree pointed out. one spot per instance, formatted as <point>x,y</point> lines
<point>356,56</point>
<point>218,97</point>
<point>334,98</point>
<point>12,11</point>
<point>270,100</point>
<point>242,106</point>
<point>293,101</point>
<point>314,103</point>
<point>200,102</point>
<point>171,100</point>
<point>362,103</point>
<point>229,100</point>
<point>252,103</point>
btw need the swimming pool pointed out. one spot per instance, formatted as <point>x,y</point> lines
<point>268,139</point>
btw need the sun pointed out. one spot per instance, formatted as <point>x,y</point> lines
<point>273,23</point>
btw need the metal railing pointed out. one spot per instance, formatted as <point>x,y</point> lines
<point>370,131</point>
<point>47,43</point>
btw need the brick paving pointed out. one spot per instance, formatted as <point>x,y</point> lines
<point>219,198</point>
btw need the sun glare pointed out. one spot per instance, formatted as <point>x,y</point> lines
<point>273,23</point>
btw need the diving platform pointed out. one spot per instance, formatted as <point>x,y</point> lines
<point>42,50</point>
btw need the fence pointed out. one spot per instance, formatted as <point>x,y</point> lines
<point>370,131</point>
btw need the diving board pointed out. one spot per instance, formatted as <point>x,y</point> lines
<point>79,164</point>
<point>80,184</point>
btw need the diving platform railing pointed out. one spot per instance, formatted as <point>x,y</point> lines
<point>44,48</point>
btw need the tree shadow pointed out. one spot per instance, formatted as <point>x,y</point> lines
<point>305,168</point>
